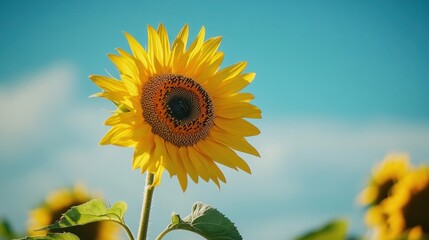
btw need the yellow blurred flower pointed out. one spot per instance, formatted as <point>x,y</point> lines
<point>408,207</point>
<point>58,203</point>
<point>384,177</point>
<point>178,109</point>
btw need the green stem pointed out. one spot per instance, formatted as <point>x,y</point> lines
<point>161,235</point>
<point>128,231</point>
<point>147,201</point>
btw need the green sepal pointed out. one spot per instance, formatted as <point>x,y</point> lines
<point>91,211</point>
<point>53,236</point>
<point>334,230</point>
<point>207,222</point>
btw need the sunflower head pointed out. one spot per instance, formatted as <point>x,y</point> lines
<point>179,110</point>
<point>384,176</point>
<point>408,207</point>
<point>58,203</point>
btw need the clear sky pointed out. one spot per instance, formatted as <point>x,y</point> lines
<point>340,84</point>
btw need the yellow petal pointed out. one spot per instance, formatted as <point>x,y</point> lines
<point>208,70</point>
<point>140,54</point>
<point>208,49</point>
<point>190,169</point>
<point>231,71</point>
<point>157,176</point>
<point>182,37</point>
<point>133,85</point>
<point>126,118</point>
<point>217,173</point>
<point>234,85</point>
<point>169,162</point>
<point>237,126</point>
<point>204,147</point>
<point>141,156</point>
<point>124,54</point>
<point>179,55</point>
<point>199,162</point>
<point>233,141</point>
<point>224,155</point>
<point>238,97</point>
<point>165,43</point>
<point>157,158</point>
<point>108,84</point>
<point>161,152</point>
<point>181,172</point>
<point>416,233</point>
<point>238,110</point>
<point>156,54</point>
<point>123,135</point>
<point>141,161</point>
<point>113,134</point>
<point>124,65</point>
<point>143,152</point>
<point>197,43</point>
<point>225,74</point>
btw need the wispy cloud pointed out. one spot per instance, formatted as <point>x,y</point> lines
<point>310,168</point>
<point>29,108</point>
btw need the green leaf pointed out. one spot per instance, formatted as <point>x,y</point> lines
<point>91,211</point>
<point>54,236</point>
<point>6,231</point>
<point>205,221</point>
<point>334,230</point>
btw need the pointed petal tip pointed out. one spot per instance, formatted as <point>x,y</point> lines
<point>111,56</point>
<point>128,36</point>
<point>149,27</point>
<point>248,171</point>
<point>94,95</point>
<point>217,184</point>
<point>161,25</point>
<point>183,186</point>
<point>134,167</point>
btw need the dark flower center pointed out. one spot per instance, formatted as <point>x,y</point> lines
<point>416,212</point>
<point>384,190</point>
<point>178,109</point>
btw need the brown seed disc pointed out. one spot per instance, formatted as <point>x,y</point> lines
<point>178,109</point>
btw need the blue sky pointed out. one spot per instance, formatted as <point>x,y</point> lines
<point>340,84</point>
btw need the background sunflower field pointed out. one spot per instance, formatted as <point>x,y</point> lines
<point>341,84</point>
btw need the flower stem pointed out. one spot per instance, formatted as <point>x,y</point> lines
<point>161,235</point>
<point>128,231</point>
<point>147,201</point>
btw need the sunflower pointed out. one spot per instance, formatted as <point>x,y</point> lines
<point>408,207</point>
<point>384,177</point>
<point>178,109</point>
<point>58,203</point>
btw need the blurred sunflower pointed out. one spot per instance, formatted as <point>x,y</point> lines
<point>408,207</point>
<point>58,203</point>
<point>384,177</point>
<point>178,109</point>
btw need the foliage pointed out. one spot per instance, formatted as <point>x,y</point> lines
<point>205,221</point>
